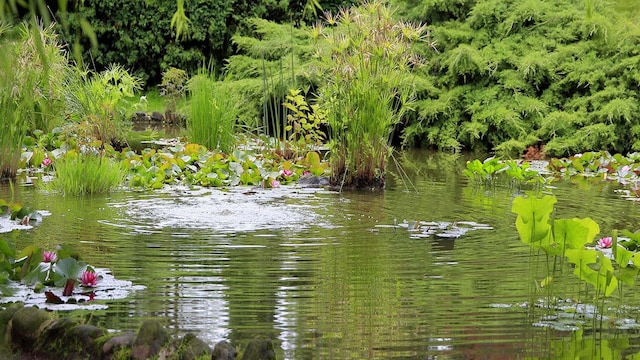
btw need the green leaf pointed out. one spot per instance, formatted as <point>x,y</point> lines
<point>574,233</point>
<point>628,275</point>
<point>582,258</point>
<point>68,268</point>
<point>623,256</point>
<point>533,221</point>
<point>6,249</point>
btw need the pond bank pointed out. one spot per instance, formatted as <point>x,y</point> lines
<point>29,333</point>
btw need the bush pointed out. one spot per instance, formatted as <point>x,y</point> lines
<point>137,34</point>
<point>509,75</point>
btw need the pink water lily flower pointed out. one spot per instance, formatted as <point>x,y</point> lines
<point>286,172</point>
<point>89,279</point>
<point>46,162</point>
<point>49,256</point>
<point>275,183</point>
<point>605,242</point>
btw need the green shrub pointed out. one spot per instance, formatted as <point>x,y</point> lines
<point>509,75</point>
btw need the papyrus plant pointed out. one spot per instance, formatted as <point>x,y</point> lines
<point>368,87</point>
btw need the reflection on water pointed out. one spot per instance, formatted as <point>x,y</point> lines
<point>330,276</point>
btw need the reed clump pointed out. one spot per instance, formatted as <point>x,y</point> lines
<point>213,113</point>
<point>33,68</point>
<point>86,174</point>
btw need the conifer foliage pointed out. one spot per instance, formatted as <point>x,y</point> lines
<point>512,74</point>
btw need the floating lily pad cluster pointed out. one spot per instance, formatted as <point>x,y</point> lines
<point>493,169</point>
<point>194,164</point>
<point>595,166</point>
<point>443,229</point>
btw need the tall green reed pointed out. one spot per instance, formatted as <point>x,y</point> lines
<point>369,88</point>
<point>213,112</point>
<point>86,174</point>
<point>32,70</point>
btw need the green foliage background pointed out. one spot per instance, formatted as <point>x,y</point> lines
<point>512,74</point>
<point>137,34</point>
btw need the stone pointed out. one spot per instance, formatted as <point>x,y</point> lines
<point>157,116</point>
<point>223,351</point>
<point>5,317</point>
<point>259,349</point>
<point>191,348</point>
<point>85,336</point>
<point>53,335</point>
<point>117,342</point>
<point>313,181</point>
<point>151,337</point>
<point>25,326</point>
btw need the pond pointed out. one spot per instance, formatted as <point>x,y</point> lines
<point>336,276</point>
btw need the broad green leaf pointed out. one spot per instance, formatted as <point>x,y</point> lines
<point>574,233</point>
<point>68,268</point>
<point>533,221</point>
<point>582,258</point>
<point>7,249</point>
<point>623,256</point>
<point>628,275</point>
<point>37,275</point>
<point>606,278</point>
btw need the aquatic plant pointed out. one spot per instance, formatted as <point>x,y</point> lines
<point>605,242</point>
<point>89,278</point>
<point>489,171</point>
<point>195,164</point>
<point>49,256</point>
<point>33,68</point>
<point>86,173</point>
<point>568,239</point>
<point>369,88</point>
<point>213,111</point>
<point>98,104</point>
<point>304,123</point>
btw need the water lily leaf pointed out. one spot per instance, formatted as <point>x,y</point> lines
<point>533,221</point>
<point>623,256</point>
<point>574,233</point>
<point>628,275</point>
<point>68,268</point>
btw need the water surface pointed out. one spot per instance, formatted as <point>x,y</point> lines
<point>334,276</point>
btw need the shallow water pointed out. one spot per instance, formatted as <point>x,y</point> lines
<point>336,276</point>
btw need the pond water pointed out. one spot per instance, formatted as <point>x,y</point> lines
<point>337,276</point>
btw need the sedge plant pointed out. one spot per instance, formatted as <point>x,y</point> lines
<point>86,174</point>
<point>213,113</point>
<point>368,89</point>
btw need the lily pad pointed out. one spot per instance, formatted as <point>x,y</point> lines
<point>51,298</point>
